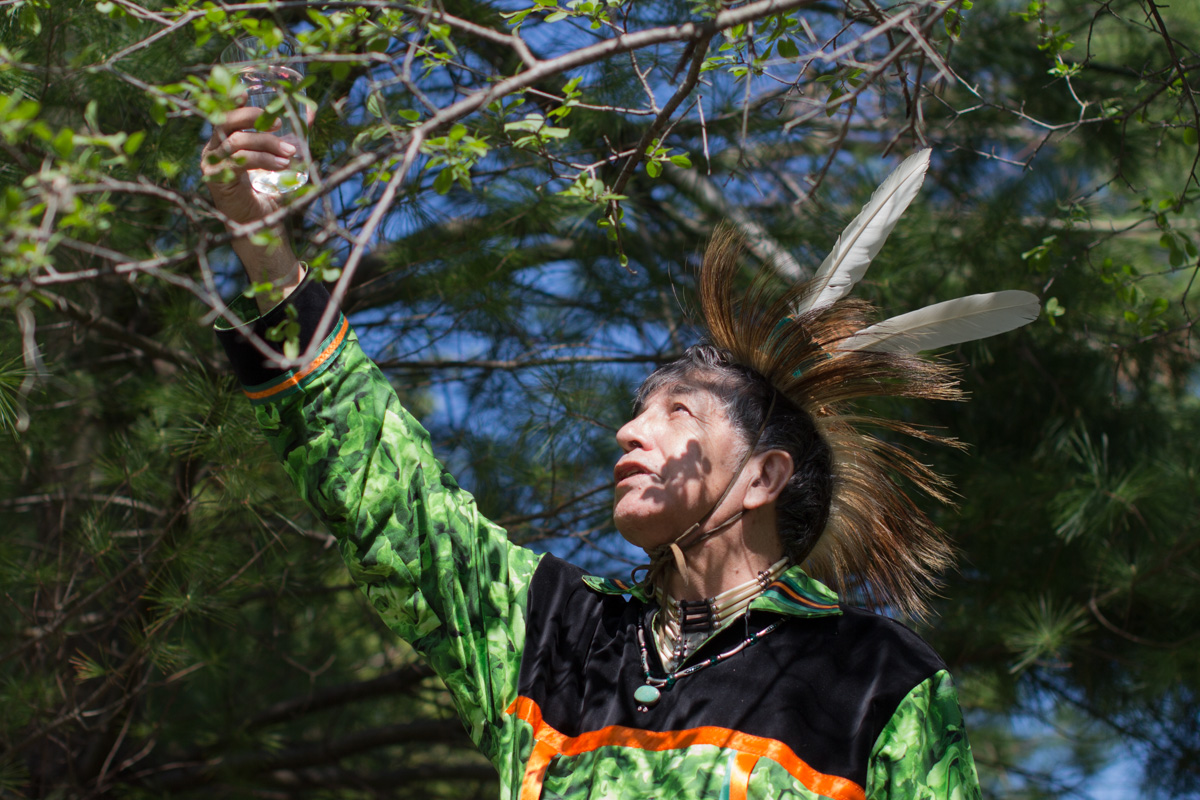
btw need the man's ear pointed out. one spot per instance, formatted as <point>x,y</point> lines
<point>769,472</point>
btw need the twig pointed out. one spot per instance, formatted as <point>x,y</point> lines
<point>685,89</point>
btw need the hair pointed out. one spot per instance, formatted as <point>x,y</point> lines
<point>802,508</point>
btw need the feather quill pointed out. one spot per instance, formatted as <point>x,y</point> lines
<point>864,236</point>
<point>968,318</point>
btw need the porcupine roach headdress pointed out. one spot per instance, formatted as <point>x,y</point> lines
<point>821,352</point>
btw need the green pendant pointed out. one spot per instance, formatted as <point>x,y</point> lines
<point>647,695</point>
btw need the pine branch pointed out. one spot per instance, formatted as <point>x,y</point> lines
<point>386,781</point>
<point>177,776</point>
<point>394,682</point>
<point>22,503</point>
<point>144,344</point>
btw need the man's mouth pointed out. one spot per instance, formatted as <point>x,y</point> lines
<point>629,469</point>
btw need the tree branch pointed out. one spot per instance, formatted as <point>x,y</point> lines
<point>396,681</point>
<point>759,242</point>
<point>179,776</point>
<point>689,83</point>
<point>146,345</point>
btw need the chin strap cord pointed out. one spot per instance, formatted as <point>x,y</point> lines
<point>673,552</point>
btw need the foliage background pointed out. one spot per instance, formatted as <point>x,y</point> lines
<point>511,218</point>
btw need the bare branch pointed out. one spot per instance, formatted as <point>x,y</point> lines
<point>685,89</point>
<point>765,248</point>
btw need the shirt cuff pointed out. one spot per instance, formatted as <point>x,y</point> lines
<point>260,380</point>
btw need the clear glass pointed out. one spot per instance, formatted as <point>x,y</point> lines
<point>268,73</point>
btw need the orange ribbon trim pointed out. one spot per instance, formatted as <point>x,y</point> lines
<point>312,366</point>
<point>739,777</point>
<point>550,743</point>
<point>798,597</point>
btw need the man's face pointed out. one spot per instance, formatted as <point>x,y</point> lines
<point>680,453</point>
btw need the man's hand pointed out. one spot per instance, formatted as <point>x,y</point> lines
<point>233,149</point>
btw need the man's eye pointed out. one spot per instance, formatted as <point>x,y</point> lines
<point>681,407</point>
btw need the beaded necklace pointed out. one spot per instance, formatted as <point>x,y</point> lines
<point>682,626</point>
<point>649,692</point>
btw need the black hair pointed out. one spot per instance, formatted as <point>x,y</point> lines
<point>802,509</point>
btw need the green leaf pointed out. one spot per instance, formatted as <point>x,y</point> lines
<point>64,143</point>
<point>654,168</point>
<point>443,181</point>
<point>30,21</point>
<point>681,161</point>
<point>530,124</point>
<point>263,238</point>
<point>1053,309</point>
<point>1190,137</point>
<point>375,105</point>
<point>266,121</point>
<point>158,112</point>
<point>134,142</point>
<point>787,49</point>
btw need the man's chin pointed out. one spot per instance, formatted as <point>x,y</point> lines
<point>643,532</point>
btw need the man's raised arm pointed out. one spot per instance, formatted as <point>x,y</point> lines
<point>440,575</point>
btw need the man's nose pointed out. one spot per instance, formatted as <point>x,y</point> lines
<point>629,437</point>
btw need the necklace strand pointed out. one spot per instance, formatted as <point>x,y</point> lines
<point>680,626</point>
<point>649,692</point>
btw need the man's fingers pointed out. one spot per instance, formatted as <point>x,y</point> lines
<point>237,120</point>
<point>250,151</point>
<point>247,159</point>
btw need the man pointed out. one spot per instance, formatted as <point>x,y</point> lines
<point>726,672</point>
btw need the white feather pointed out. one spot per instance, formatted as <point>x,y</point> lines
<point>963,320</point>
<point>865,235</point>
